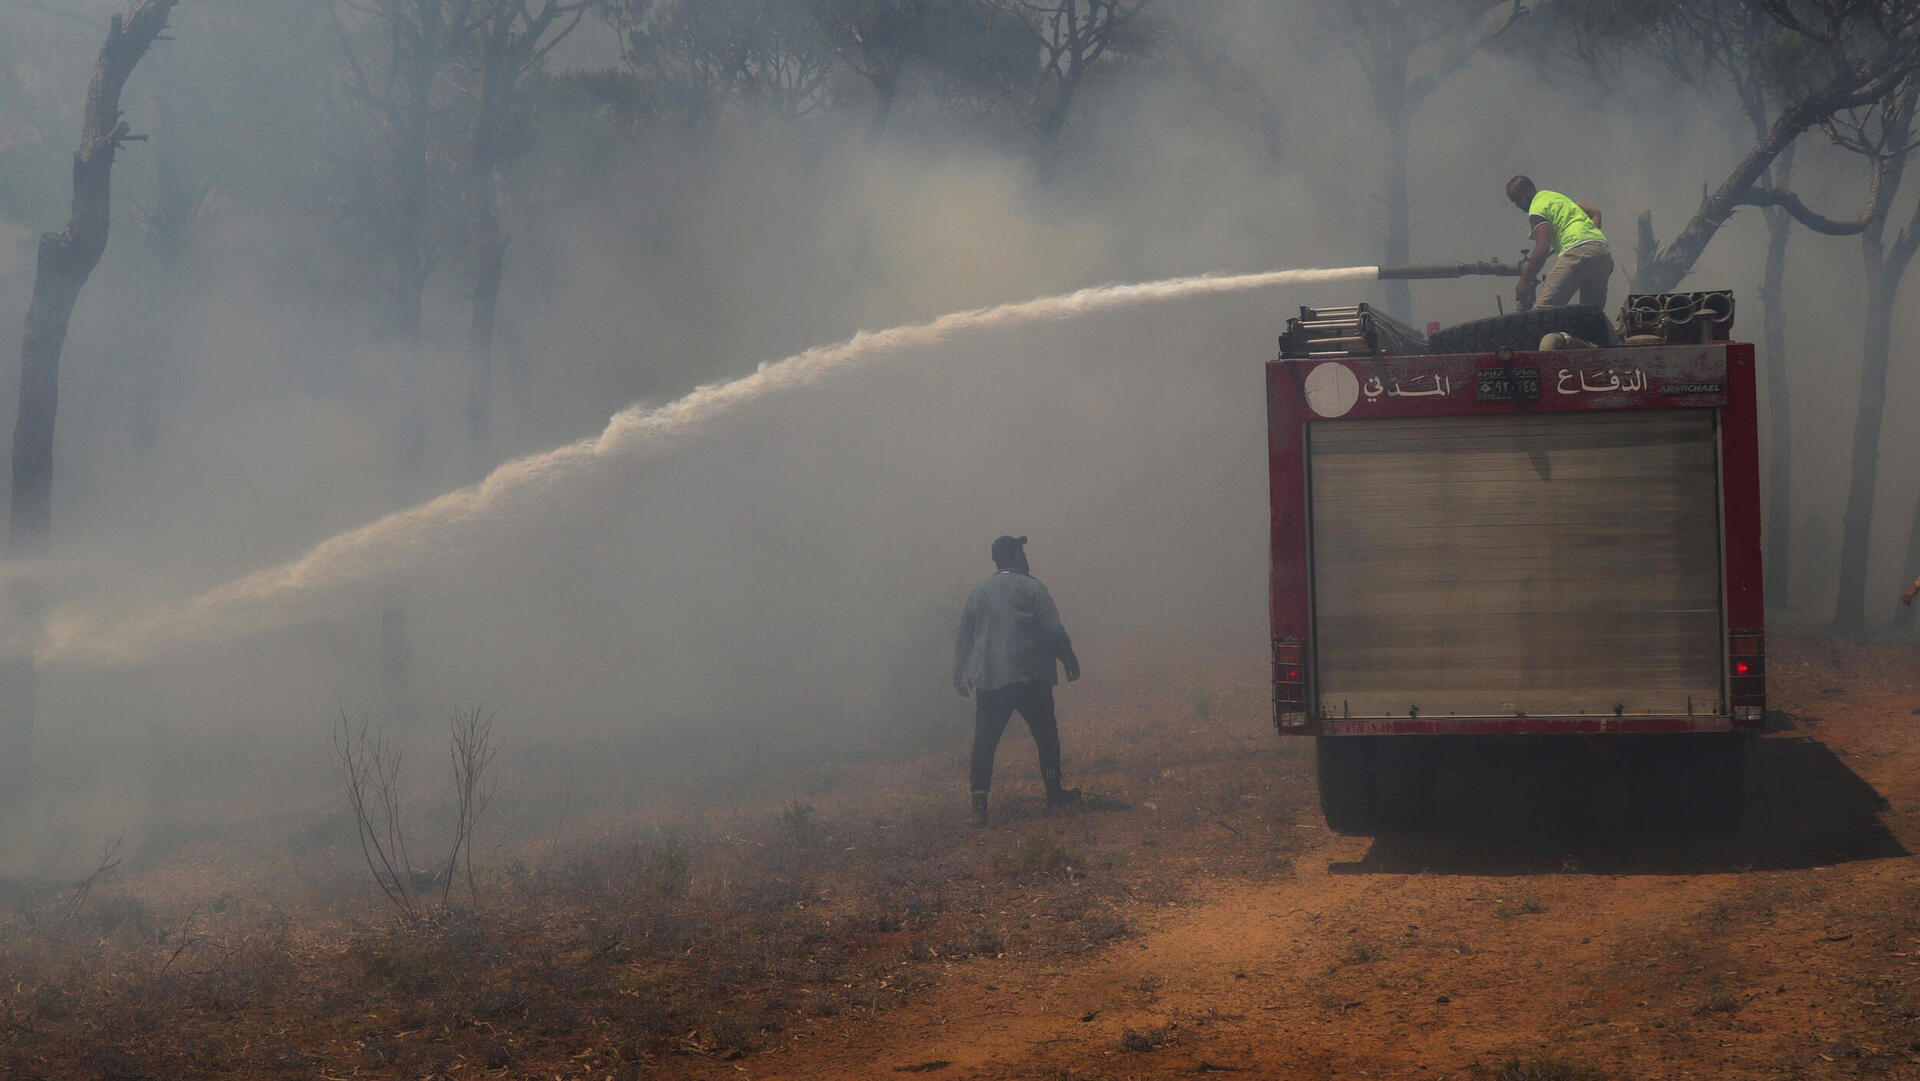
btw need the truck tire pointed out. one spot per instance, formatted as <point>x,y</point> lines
<point>1347,794</point>
<point>1523,330</point>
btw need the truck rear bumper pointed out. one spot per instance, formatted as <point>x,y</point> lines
<point>1507,726</point>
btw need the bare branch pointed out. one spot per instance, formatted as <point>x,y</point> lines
<point>367,772</point>
<point>472,749</point>
<point>109,863</point>
<point>1790,202</point>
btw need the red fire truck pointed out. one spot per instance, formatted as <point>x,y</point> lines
<point>1510,541</point>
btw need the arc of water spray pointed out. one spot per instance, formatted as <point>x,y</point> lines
<point>277,596</point>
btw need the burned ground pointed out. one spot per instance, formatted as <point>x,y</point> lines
<point>1196,917</point>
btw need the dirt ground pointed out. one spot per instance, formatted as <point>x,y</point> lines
<point>1789,950</point>
<point>1196,918</point>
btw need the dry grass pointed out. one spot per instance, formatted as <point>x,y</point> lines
<point>629,945</point>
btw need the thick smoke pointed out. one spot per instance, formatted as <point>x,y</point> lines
<point>777,585</point>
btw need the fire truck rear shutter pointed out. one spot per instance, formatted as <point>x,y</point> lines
<point>1517,564</point>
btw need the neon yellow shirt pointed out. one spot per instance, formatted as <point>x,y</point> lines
<point>1570,223</point>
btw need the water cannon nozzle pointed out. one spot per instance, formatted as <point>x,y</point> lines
<point>1487,268</point>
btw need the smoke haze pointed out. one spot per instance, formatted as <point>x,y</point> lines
<point>778,580</point>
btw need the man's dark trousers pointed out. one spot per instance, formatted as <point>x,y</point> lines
<point>994,708</point>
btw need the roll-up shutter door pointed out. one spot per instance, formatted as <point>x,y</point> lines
<point>1523,564</point>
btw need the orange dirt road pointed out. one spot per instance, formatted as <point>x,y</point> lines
<point>1789,950</point>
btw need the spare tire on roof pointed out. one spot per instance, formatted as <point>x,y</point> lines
<point>1523,330</point>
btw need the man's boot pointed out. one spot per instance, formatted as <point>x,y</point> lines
<point>1056,795</point>
<point>979,808</point>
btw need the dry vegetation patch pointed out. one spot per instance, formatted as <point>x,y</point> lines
<point>772,932</point>
<point>713,936</point>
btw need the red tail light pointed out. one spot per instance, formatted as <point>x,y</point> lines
<point>1747,669</point>
<point>1289,682</point>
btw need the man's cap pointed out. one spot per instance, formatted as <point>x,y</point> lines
<point>1005,548</point>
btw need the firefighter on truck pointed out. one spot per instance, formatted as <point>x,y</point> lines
<point>1569,230</point>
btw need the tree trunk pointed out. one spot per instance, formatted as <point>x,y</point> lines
<point>1885,265</point>
<point>65,261</point>
<point>1910,569</point>
<point>1053,122</point>
<point>1773,337</point>
<point>1856,526</point>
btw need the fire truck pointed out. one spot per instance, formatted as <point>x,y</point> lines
<point>1545,524</point>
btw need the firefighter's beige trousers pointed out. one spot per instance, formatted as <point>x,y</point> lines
<point>1583,268</point>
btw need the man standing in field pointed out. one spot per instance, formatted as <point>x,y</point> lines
<point>1010,638</point>
<point>1566,229</point>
